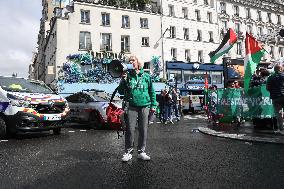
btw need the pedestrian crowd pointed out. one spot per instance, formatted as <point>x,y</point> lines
<point>169,105</point>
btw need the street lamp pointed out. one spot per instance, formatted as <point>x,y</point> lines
<point>163,61</point>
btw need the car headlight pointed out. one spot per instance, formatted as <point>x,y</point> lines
<point>19,102</point>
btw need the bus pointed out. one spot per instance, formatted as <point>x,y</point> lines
<point>189,79</point>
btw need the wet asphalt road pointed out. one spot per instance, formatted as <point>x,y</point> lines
<point>180,158</point>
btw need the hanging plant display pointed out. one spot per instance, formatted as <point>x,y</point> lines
<point>157,68</point>
<point>81,68</point>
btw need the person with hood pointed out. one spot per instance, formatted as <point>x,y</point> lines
<point>275,86</point>
<point>137,88</point>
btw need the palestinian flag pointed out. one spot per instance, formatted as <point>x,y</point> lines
<point>227,43</point>
<point>254,53</point>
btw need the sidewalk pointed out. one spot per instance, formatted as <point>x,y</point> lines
<point>246,132</point>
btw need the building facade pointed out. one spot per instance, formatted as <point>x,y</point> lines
<point>191,30</point>
<point>261,18</point>
<point>86,27</point>
<point>183,30</point>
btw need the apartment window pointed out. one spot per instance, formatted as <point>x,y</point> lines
<point>206,2</point>
<point>269,17</point>
<point>199,35</point>
<point>223,7</point>
<point>146,66</point>
<point>85,40</point>
<point>236,10</point>
<point>171,10</point>
<point>271,51</point>
<point>185,12</point>
<point>279,19</point>
<point>106,42</point>
<point>281,52</point>
<point>248,14</point>
<point>145,41</point>
<point>249,29</point>
<point>174,53</point>
<point>186,33</point>
<point>144,22</point>
<point>105,19</point>
<point>259,31</point>
<point>237,27</point>
<point>211,36</point>
<point>125,43</point>
<point>187,55</point>
<point>172,32</point>
<point>239,48</point>
<point>197,15</point>
<point>125,21</point>
<point>85,16</point>
<point>259,18</point>
<point>209,17</point>
<point>200,56</point>
<point>225,25</point>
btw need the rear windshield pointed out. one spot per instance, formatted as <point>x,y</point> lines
<point>23,85</point>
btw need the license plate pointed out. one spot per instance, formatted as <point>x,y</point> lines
<point>52,117</point>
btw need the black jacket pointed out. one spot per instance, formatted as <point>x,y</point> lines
<point>275,85</point>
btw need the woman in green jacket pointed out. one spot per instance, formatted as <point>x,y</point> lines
<point>139,93</point>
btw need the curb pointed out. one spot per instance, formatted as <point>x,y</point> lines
<point>242,137</point>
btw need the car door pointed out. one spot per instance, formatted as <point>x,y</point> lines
<point>76,104</point>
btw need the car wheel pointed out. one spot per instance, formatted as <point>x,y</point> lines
<point>3,128</point>
<point>57,131</point>
<point>94,120</point>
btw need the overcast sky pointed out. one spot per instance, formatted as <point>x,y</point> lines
<point>19,27</point>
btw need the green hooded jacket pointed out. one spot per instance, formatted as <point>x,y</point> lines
<point>138,89</point>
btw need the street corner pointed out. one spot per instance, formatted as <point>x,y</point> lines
<point>274,139</point>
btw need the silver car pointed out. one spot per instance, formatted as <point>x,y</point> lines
<point>90,108</point>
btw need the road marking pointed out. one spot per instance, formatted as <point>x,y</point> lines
<point>3,140</point>
<point>83,130</point>
<point>71,131</point>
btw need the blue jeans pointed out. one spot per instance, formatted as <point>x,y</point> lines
<point>176,110</point>
<point>168,112</point>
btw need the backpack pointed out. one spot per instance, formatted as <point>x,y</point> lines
<point>115,116</point>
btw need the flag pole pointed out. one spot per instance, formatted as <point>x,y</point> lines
<point>226,60</point>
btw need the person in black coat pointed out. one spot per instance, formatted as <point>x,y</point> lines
<point>275,86</point>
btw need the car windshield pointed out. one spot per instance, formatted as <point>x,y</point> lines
<point>23,85</point>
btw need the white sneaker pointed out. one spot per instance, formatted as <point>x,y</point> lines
<point>143,156</point>
<point>276,132</point>
<point>126,157</point>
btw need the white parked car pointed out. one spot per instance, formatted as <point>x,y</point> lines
<point>90,108</point>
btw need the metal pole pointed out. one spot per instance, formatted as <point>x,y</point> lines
<point>162,35</point>
<point>225,70</point>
